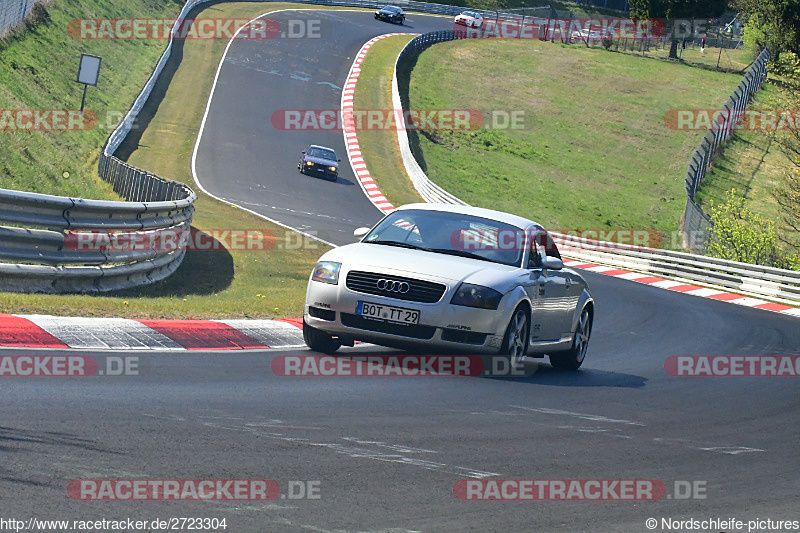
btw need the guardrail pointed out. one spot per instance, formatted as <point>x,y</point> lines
<point>429,191</point>
<point>56,243</point>
<point>773,283</point>
<point>39,256</point>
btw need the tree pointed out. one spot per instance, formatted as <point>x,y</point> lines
<point>788,193</point>
<point>788,197</point>
<point>774,24</point>
<point>692,10</point>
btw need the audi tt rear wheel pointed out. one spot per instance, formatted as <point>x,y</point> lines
<point>573,358</point>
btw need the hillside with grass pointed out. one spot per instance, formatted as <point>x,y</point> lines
<point>38,69</point>
<point>593,150</point>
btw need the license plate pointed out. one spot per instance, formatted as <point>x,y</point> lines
<point>387,313</point>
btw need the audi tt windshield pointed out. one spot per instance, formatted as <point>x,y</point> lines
<point>452,234</point>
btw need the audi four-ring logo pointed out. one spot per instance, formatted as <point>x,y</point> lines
<point>390,285</point>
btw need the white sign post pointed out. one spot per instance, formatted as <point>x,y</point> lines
<point>88,72</point>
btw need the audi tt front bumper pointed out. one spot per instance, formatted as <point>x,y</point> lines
<point>335,310</point>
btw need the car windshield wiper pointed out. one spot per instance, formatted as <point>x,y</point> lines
<point>461,253</point>
<point>399,244</point>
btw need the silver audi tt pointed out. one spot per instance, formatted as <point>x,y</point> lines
<point>454,278</point>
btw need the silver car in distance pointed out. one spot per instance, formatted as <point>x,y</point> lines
<point>451,277</point>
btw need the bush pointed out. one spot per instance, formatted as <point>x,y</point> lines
<point>738,234</point>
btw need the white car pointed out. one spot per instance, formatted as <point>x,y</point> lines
<point>470,19</point>
<point>455,278</point>
<point>585,35</point>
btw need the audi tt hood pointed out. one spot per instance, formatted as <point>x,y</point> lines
<point>418,263</point>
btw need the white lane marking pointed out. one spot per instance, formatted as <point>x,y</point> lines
<point>363,449</point>
<point>666,284</point>
<point>585,416</point>
<point>600,268</point>
<point>731,450</point>
<point>749,302</point>
<point>633,276</point>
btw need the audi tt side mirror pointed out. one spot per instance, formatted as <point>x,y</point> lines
<point>552,263</point>
<point>360,232</point>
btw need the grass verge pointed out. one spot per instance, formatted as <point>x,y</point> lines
<point>593,151</point>
<point>223,284</point>
<point>379,147</point>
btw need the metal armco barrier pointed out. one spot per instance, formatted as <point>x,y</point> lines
<point>429,191</point>
<point>42,252</point>
<point>773,283</point>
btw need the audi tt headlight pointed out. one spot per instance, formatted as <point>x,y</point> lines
<point>326,272</point>
<point>310,163</point>
<point>332,169</point>
<point>470,295</point>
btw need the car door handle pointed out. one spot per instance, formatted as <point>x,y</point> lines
<point>567,283</point>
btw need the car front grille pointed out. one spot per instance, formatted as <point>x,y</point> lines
<point>418,290</point>
<point>316,166</point>
<point>405,330</point>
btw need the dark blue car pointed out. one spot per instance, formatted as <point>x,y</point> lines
<point>319,161</point>
<point>391,14</point>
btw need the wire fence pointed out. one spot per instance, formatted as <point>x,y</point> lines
<point>695,223</point>
<point>13,12</point>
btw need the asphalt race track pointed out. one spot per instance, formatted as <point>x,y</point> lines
<point>387,451</point>
<point>242,158</point>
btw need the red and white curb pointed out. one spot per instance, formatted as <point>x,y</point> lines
<point>360,170</point>
<point>685,288</point>
<point>42,331</point>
